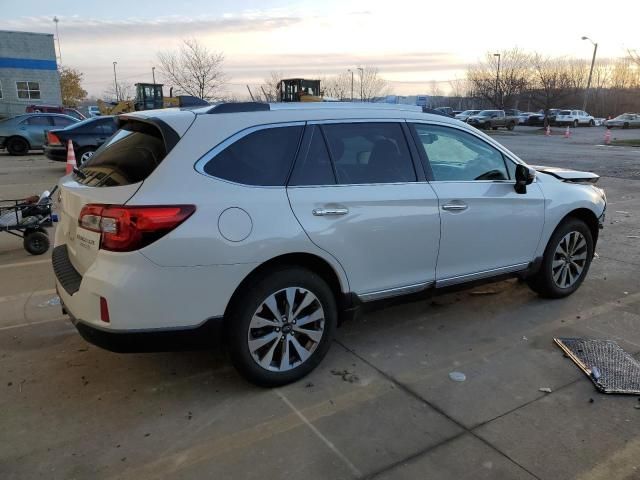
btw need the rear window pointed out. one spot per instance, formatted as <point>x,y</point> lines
<point>128,157</point>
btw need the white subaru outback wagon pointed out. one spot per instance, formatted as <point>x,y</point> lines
<point>275,221</point>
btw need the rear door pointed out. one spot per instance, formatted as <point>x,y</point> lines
<point>111,176</point>
<point>487,228</point>
<point>35,128</point>
<point>356,192</point>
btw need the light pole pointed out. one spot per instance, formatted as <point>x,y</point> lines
<point>361,85</point>
<point>497,79</point>
<point>115,81</point>
<point>56,20</point>
<point>153,74</point>
<point>593,61</point>
<point>351,72</point>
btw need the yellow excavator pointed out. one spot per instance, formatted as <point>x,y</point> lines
<point>299,90</point>
<point>149,96</point>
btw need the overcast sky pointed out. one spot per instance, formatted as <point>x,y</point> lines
<point>412,43</point>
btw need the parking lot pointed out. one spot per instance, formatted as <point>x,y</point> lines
<point>381,405</point>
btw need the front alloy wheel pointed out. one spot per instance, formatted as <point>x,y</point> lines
<point>286,329</point>
<point>569,259</point>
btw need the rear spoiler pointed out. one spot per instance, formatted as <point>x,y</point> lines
<point>169,136</point>
<point>567,175</point>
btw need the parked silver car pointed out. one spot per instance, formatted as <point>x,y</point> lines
<point>626,120</point>
<point>26,132</point>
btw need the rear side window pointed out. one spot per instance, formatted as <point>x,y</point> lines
<point>128,157</point>
<point>62,121</point>
<point>369,153</point>
<point>39,121</point>
<point>262,157</point>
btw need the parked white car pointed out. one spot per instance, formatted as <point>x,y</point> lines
<point>269,223</point>
<point>574,118</point>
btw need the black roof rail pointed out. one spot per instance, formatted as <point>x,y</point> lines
<point>238,107</point>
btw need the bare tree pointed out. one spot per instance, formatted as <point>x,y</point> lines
<point>125,91</point>
<point>505,86</point>
<point>194,70</point>
<point>338,86</point>
<point>634,55</point>
<point>371,84</point>
<point>269,87</point>
<point>554,79</point>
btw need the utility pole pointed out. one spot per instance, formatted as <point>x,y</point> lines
<point>593,61</point>
<point>56,20</point>
<point>115,81</point>
<point>351,72</point>
<point>497,80</point>
<point>153,74</point>
<point>361,84</point>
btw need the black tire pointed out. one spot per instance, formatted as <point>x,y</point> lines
<point>575,124</point>
<point>36,242</point>
<point>625,125</point>
<point>84,152</point>
<point>511,126</point>
<point>543,282</point>
<point>17,146</point>
<point>245,306</point>
<point>494,128</point>
<point>592,123</point>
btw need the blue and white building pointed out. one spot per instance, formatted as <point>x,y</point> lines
<point>28,71</point>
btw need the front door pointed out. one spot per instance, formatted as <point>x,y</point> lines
<point>487,228</point>
<point>364,205</point>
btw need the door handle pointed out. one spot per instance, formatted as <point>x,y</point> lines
<point>322,212</point>
<point>455,207</point>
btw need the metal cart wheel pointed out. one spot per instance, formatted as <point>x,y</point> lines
<point>36,242</point>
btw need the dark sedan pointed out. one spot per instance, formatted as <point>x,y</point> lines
<point>86,137</point>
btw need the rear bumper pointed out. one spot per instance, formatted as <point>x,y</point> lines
<point>57,153</point>
<point>206,335</point>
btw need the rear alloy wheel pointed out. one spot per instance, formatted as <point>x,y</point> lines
<point>566,260</point>
<point>511,126</point>
<point>17,146</point>
<point>592,123</point>
<point>282,327</point>
<point>625,125</point>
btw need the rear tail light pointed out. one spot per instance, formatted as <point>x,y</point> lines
<point>129,228</point>
<point>52,139</point>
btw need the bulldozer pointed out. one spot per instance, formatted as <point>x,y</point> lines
<point>299,90</point>
<point>149,96</point>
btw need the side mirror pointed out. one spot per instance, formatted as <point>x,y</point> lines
<point>524,177</point>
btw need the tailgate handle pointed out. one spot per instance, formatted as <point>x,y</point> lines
<point>322,212</point>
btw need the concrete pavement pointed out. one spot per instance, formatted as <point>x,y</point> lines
<point>381,405</point>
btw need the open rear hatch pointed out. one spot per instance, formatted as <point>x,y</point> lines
<point>110,177</point>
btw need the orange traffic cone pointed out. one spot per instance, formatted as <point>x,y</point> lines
<point>607,137</point>
<point>547,131</point>
<point>71,158</point>
<point>567,132</point>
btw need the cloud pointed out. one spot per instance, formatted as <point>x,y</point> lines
<point>86,28</point>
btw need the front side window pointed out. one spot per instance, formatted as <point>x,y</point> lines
<point>455,155</point>
<point>28,90</point>
<point>369,153</point>
<point>62,121</point>
<point>262,157</point>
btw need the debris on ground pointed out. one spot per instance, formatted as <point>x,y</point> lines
<point>545,390</point>
<point>457,376</point>
<point>609,367</point>
<point>308,385</point>
<point>524,338</point>
<point>346,375</point>
<point>633,236</point>
<point>484,292</point>
<point>52,302</point>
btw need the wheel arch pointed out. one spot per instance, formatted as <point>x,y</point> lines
<point>588,217</point>
<point>13,137</point>
<point>310,261</point>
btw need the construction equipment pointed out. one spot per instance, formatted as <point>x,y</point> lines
<point>299,90</point>
<point>149,96</point>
